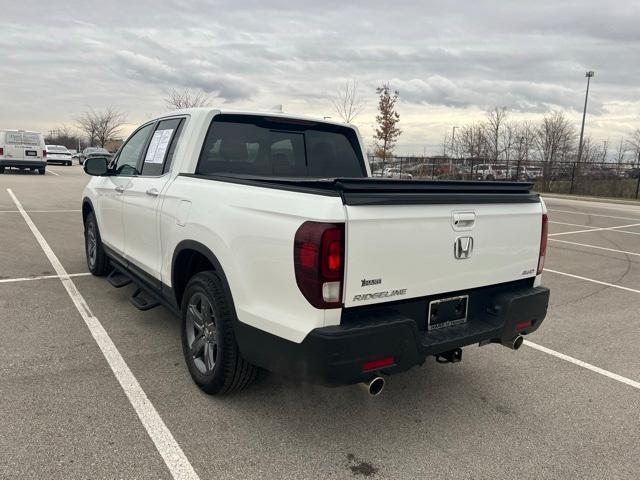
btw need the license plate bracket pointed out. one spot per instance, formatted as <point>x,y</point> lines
<point>447,312</point>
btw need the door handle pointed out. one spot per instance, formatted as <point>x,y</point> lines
<point>119,189</point>
<point>152,192</point>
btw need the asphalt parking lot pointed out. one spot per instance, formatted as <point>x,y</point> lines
<point>567,405</point>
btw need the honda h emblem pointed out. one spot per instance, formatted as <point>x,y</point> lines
<point>463,247</point>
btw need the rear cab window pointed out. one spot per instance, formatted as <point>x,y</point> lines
<point>280,147</point>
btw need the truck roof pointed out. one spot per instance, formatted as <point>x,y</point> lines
<point>17,130</point>
<point>202,111</point>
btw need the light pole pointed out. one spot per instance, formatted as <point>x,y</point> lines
<point>589,74</point>
<point>453,139</point>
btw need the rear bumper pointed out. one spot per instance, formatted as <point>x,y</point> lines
<point>335,355</point>
<point>23,163</point>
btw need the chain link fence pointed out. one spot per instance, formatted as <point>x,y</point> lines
<point>602,179</point>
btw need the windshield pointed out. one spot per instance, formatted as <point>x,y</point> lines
<point>268,146</point>
<point>57,149</point>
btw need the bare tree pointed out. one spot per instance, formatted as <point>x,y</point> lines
<point>186,98</point>
<point>509,142</point>
<point>100,127</point>
<point>525,133</point>
<point>621,155</point>
<point>633,145</point>
<point>554,134</point>
<point>605,151</point>
<point>496,120</point>
<point>387,131</point>
<point>63,135</point>
<point>347,102</point>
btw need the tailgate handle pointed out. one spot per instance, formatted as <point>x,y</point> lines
<point>463,220</point>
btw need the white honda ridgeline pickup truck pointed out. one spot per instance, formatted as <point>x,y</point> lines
<point>267,236</point>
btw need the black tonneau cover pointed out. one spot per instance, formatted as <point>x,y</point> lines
<point>388,191</point>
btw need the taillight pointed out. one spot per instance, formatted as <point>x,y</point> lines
<point>44,154</point>
<point>318,258</point>
<point>1,151</point>
<point>543,242</point>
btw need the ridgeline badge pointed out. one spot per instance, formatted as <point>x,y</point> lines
<point>385,294</point>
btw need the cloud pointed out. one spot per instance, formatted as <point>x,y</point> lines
<point>448,59</point>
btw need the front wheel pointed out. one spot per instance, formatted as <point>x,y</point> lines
<point>97,260</point>
<point>208,340</point>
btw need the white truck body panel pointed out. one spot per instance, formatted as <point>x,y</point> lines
<point>410,248</point>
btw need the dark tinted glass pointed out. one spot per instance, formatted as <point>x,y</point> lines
<point>267,146</point>
<point>129,156</point>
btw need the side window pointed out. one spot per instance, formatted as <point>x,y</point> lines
<point>129,157</point>
<point>159,154</point>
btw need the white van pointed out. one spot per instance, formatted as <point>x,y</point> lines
<point>22,149</point>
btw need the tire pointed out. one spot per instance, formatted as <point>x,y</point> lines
<point>42,171</point>
<point>1,170</point>
<point>490,178</point>
<point>68,164</point>
<point>97,260</point>
<point>208,340</point>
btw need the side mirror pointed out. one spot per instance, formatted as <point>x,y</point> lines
<point>97,166</point>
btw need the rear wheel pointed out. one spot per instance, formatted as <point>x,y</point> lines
<point>1,169</point>
<point>97,260</point>
<point>42,171</point>
<point>208,340</point>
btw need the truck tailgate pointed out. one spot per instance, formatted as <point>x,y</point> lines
<point>396,252</point>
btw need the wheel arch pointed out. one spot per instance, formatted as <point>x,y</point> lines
<point>191,257</point>
<point>87,208</point>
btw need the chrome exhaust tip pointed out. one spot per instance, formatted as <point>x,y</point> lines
<point>515,343</point>
<point>374,386</point>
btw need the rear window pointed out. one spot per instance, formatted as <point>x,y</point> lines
<point>268,146</point>
<point>54,149</point>
<point>22,138</point>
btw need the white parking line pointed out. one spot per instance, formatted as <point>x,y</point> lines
<point>40,211</point>
<point>626,231</point>
<point>172,454</point>
<point>592,280</point>
<point>572,224</point>
<point>588,366</point>
<point>598,229</point>
<point>41,277</point>
<point>592,214</point>
<point>594,246</point>
<point>52,172</point>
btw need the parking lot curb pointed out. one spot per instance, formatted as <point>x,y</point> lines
<point>591,199</point>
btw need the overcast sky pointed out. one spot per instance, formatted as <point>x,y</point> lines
<point>449,59</point>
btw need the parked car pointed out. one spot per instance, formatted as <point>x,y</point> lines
<point>58,154</point>
<point>99,154</point>
<point>484,171</point>
<point>396,173</point>
<point>245,225</point>
<point>91,150</point>
<point>22,149</point>
<point>532,173</point>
